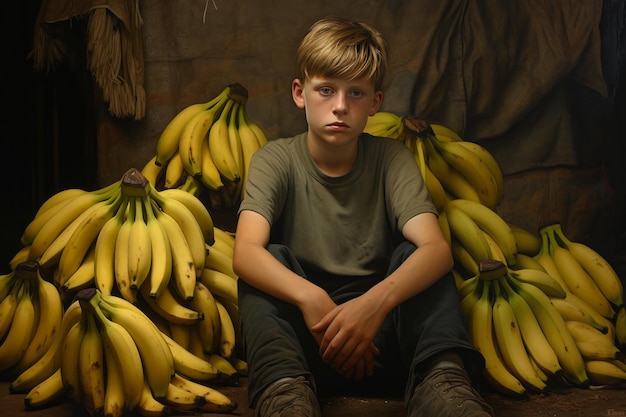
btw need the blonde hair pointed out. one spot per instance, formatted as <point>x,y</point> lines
<point>335,47</point>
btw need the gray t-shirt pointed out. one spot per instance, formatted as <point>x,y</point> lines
<point>344,225</point>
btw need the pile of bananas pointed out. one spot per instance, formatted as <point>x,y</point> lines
<point>111,358</point>
<point>541,308</point>
<point>31,310</point>
<point>208,145</point>
<point>451,167</point>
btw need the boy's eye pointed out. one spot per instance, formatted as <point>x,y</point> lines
<point>357,93</point>
<point>325,91</point>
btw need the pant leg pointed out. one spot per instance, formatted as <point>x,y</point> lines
<point>273,333</point>
<point>430,323</point>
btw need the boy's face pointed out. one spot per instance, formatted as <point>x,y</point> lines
<point>336,109</point>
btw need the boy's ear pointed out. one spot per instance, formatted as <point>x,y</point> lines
<point>378,101</point>
<point>297,93</point>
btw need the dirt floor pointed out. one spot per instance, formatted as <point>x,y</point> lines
<point>561,402</point>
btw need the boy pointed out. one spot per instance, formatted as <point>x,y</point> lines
<point>344,272</point>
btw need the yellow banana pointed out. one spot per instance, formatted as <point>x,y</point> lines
<point>193,204</point>
<point>442,132</point>
<point>183,257</point>
<point>596,266</point>
<point>45,366</point>
<point>491,222</point>
<point>511,344</point>
<point>488,159</point>
<point>234,136</point>
<point>190,365</point>
<point>169,139</point>
<point>578,280</point>
<point>542,280</point>
<point>467,231</point>
<point>219,261</point>
<point>139,247</point>
<point>70,371</point>
<point>592,343</point>
<point>180,333</point>
<point>535,340</point>
<point>620,327</point>
<point>20,333</point>
<point>153,349</point>
<point>46,392</point>
<point>463,259</point>
<point>220,284</point>
<point>480,327</point>
<point>152,171</point>
<point>605,372</point>
<point>496,250</point>
<point>47,326</point>
<point>523,261</point>
<point>250,143</point>
<point>527,243</point>
<point>556,332</point>
<point>208,328</point>
<point>214,400</point>
<point>161,253</point>
<point>167,306</point>
<point>149,406</point>
<point>121,261</point>
<point>381,122</point>
<point>224,367</point>
<point>544,258</point>
<point>91,369</point>
<point>574,312</point>
<point>83,277</point>
<point>219,145</point>
<point>227,336</point>
<point>8,306</point>
<point>22,255</point>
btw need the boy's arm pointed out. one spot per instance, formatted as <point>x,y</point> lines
<point>255,265</point>
<point>350,329</point>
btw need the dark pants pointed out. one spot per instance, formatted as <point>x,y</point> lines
<point>277,343</point>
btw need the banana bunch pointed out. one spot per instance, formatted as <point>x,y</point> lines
<point>525,341</point>
<point>581,271</point>
<point>111,358</point>
<point>30,314</point>
<point>208,144</point>
<point>451,167</point>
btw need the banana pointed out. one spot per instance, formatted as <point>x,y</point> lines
<point>51,229</point>
<point>155,353</point>
<point>219,145</point>
<point>227,336</point>
<point>105,253</point>
<point>44,393</point>
<point>480,327</point>
<point>488,159</point>
<point>524,261</point>
<point>250,143</point>
<point>161,253</point>
<point>152,171</point>
<point>190,365</point>
<point>174,171</point>
<point>180,333</point>
<point>544,258</point>
<point>139,247</point>
<point>556,332</point>
<point>596,266</point>
<point>444,133</point>
<point>225,237</point>
<point>258,132</point>
<point>183,256</point>
<point>472,167</point>
<point>491,222</point>
<point>169,307</point>
<point>605,373</point>
<point>511,343</point>
<point>220,284</point>
<point>462,258</point>
<point>541,280</point>
<point>20,332</point>
<point>620,327</point>
<point>115,401</point>
<point>240,365</point>
<point>121,350</point>
<point>381,122</point>
<point>189,225</point>
<point>527,243</point>
<point>223,246</point>
<point>467,231</point>
<point>22,255</point>
<point>535,340</point>
<point>194,205</point>
<point>181,399</point>
<point>169,139</point>
<point>219,261</point>
<point>51,308</point>
<point>214,400</point>
<point>8,306</point>
<point>592,343</point>
<point>434,186</point>
<point>120,278</point>
<point>149,406</point>
<point>597,320</point>
<point>450,178</point>
<point>91,368</point>
<point>578,280</point>
<point>234,136</point>
<point>223,366</point>
<point>70,352</point>
<point>83,277</point>
<point>574,312</point>
<point>83,237</point>
<point>209,329</point>
<point>496,251</point>
<point>210,175</point>
<point>45,366</point>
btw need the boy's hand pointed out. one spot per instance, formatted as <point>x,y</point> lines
<point>348,334</point>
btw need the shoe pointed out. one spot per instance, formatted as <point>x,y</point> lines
<point>447,392</point>
<point>288,397</point>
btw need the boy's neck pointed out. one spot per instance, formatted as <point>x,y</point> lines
<point>333,161</point>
